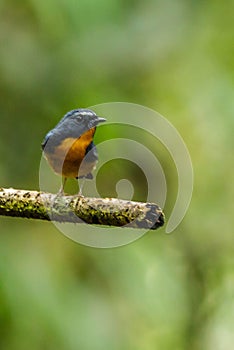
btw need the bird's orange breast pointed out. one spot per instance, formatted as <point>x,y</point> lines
<point>67,157</point>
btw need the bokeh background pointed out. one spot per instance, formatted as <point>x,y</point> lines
<point>162,291</point>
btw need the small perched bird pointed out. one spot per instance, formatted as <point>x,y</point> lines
<point>69,147</point>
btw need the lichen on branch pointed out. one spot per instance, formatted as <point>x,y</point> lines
<point>80,209</point>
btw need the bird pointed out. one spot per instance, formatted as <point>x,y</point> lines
<point>69,148</point>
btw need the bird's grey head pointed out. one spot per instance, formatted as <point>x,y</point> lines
<point>72,125</point>
<point>83,116</point>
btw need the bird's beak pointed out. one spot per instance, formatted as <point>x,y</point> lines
<point>100,120</point>
<point>95,121</point>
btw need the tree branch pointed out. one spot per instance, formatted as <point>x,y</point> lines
<point>79,209</point>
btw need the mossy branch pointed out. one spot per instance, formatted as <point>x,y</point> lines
<point>79,209</point>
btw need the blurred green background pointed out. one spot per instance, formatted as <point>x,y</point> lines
<point>163,291</point>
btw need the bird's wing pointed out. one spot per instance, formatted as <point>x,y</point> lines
<point>44,142</point>
<point>91,154</point>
